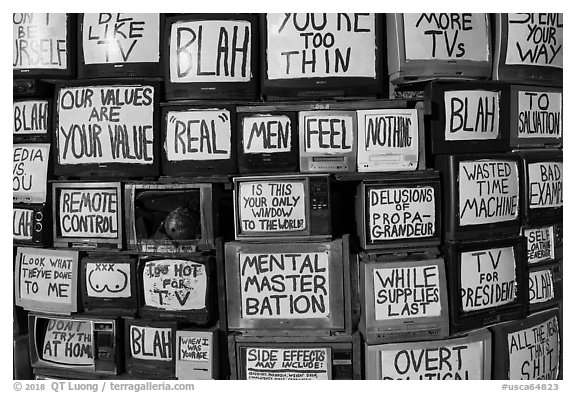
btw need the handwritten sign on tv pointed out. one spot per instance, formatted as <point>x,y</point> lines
<point>30,117</point>
<point>387,131</point>
<point>540,286</point>
<point>328,133</point>
<point>266,134</point>
<point>175,284</point>
<point>193,347</point>
<point>545,185</point>
<point>448,361</point>
<point>442,36</point>
<point>47,275</point>
<point>88,213</point>
<point>288,364</point>
<point>121,38</point>
<point>39,41</point>
<point>540,244</point>
<point>151,343</point>
<point>314,45</point>
<point>272,206</point>
<point>285,285</point>
<point>69,342</point>
<point>487,278</point>
<point>539,114</point>
<point>108,280</point>
<point>210,51</point>
<point>29,172</point>
<point>105,125</point>
<point>401,213</point>
<point>23,224</point>
<point>535,39</point>
<point>471,115</point>
<point>535,351</point>
<point>198,135</point>
<point>488,191</point>
<point>406,292</point>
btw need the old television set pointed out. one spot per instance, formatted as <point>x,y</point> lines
<point>119,45</point>
<point>198,139</point>
<point>87,215</point>
<point>328,140</point>
<point>107,128</point>
<point>177,287</point>
<point>544,287</point>
<point>150,348</point>
<point>528,48</point>
<point>267,138</point>
<point>32,120</point>
<point>108,284</point>
<point>211,56</point>
<point>403,299</point>
<point>288,288</point>
<point>282,207</point>
<point>515,343</point>
<point>170,217</point>
<point>282,358</point>
<point>43,45</point>
<point>321,55</point>
<point>543,243</point>
<point>31,224</point>
<point>541,186</point>
<point>46,280</point>
<point>467,117</point>
<point>466,357</point>
<point>536,116</point>
<point>93,349</point>
<point>399,210</point>
<point>30,171</point>
<point>487,282</point>
<point>429,46</point>
<point>197,354</point>
<point>482,194</point>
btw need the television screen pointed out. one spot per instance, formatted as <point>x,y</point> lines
<point>30,162</point>
<point>197,354</point>
<point>46,280</point>
<point>529,48</point>
<point>119,45</point>
<point>424,46</point>
<point>31,224</point>
<point>544,286</point>
<point>282,207</point>
<point>211,56</point>
<point>170,217</point>
<point>536,116</point>
<point>42,45</point>
<point>87,214</point>
<point>321,55</point>
<point>32,120</point>
<point>542,244</point>
<point>464,358</point>
<point>106,129</point>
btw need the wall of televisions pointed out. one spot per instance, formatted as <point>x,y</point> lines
<point>287,196</point>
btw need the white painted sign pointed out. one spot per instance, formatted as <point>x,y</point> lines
<point>545,185</point>
<point>327,134</point>
<point>535,39</point>
<point>488,278</point>
<point>540,114</point>
<point>108,280</point>
<point>409,292</point>
<point>68,341</point>
<point>150,343</point>
<point>194,346</point>
<point>540,244</point>
<point>88,213</point>
<point>288,364</point>
<point>401,213</point>
<point>105,125</point>
<point>121,38</point>
<point>266,134</point>
<point>285,285</point>
<point>540,286</point>
<point>471,115</point>
<point>39,41</point>
<point>488,191</point>
<point>315,45</point>
<point>22,224</point>
<point>198,134</point>
<point>272,206</point>
<point>442,36</point>
<point>29,172</point>
<point>175,284</point>
<point>210,51</point>
<point>30,117</point>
